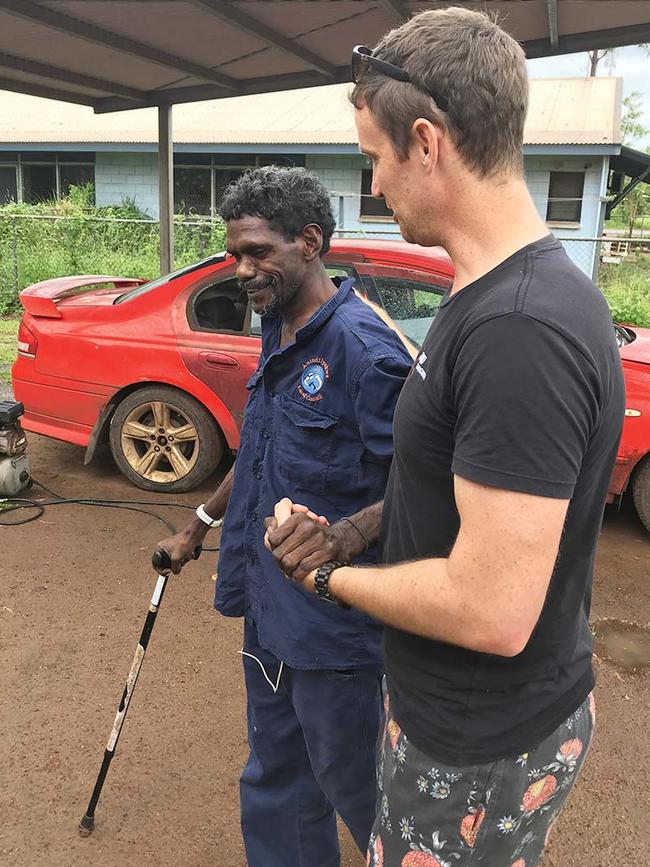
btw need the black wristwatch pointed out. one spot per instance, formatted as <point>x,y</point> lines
<point>322,582</point>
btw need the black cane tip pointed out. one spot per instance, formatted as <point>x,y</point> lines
<point>87,825</point>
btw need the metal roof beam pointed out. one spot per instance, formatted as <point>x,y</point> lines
<point>194,93</point>
<point>229,13</point>
<point>614,37</point>
<point>644,176</point>
<point>397,8</point>
<point>67,24</point>
<point>14,84</point>
<point>551,11</point>
<point>34,67</point>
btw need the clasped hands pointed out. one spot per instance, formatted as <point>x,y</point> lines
<point>301,541</point>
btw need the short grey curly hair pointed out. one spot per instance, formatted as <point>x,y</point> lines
<point>289,198</point>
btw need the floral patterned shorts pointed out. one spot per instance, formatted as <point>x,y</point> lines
<point>495,815</point>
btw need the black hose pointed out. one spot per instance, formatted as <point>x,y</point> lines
<point>14,504</point>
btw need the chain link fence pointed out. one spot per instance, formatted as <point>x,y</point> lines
<point>38,247</point>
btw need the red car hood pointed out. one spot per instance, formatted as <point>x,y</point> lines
<point>639,349</point>
<point>39,298</point>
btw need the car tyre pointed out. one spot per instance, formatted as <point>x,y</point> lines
<point>641,492</point>
<point>164,440</point>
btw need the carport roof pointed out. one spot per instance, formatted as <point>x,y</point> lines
<point>121,54</point>
<point>562,111</point>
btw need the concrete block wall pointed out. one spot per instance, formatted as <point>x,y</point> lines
<point>123,175</point>
<point>342,177</point>
<point>538,170</point>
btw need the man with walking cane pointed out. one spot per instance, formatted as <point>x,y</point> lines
<point>506,434</point>
<point>318,426</point>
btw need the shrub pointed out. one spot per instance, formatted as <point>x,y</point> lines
<point>71,236</point>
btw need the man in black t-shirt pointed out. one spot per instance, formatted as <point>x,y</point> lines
<point>505,437</point>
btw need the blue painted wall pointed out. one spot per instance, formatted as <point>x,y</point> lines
<point>134,175</point>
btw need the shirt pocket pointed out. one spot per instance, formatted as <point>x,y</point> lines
<point>304,440</point>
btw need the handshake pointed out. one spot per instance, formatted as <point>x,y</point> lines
<point>299,540</point>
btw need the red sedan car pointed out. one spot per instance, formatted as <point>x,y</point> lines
<point>158,369</point>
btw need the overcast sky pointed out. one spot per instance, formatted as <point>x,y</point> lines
<point>632,64</point>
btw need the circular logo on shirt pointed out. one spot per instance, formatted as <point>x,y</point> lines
<point>313,378</point>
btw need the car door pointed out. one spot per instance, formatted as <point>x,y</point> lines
<point>213,326</point>
<point>410,296</point>
<point>219,335</point>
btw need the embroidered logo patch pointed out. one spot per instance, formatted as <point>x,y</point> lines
<point>418,365</point>
<point>314,375</point>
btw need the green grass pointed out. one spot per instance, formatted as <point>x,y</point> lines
<point>627,289</point>
<point>8,334</point>
<point>617,222</point>
<point>88,240</point>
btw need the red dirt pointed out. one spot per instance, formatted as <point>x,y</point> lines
<point>75,588</point>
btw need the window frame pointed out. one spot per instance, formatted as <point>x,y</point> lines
<point>367,198</point>
<point>204,285</point>
<point>553,200</point>
<point>14,166</point>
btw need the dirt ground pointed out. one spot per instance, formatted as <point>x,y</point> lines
<point>74,589</point>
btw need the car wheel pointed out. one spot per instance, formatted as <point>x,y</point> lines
<point>641,492</point>
<point>164,440</point>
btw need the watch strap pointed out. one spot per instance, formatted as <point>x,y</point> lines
<point>322,580</point>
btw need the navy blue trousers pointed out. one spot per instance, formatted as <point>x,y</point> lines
<point>312,755</point>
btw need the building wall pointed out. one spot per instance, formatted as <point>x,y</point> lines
<point>342,177</point>
<point>537,171</point>
<point>127,175</point>
<point>121,175</point>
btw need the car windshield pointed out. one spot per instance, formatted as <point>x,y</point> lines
<point>162,281</point>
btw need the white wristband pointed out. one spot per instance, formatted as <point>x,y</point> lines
<point>203,515</point>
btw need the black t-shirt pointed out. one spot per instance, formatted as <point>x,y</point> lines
<point>518,386</point>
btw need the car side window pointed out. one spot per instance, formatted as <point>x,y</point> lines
<point>221,306</point>
<point>411,298</point>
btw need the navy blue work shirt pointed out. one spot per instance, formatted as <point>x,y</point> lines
<point>317,429</point>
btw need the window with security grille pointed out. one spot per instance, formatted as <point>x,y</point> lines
<point>8,185</point>
<point>192,192</point>
<point>565,192</point>
<point>371,207</point>
<point>39,183</point>
<point>75,176</point>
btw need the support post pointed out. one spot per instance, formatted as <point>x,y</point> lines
<point>166,188</point>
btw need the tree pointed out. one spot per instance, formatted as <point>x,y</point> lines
<point>636,204</point>
<point>609,55</point>
<point>631,127</point>
<point>596,55</point>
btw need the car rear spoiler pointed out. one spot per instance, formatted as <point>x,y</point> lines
<point>39,298</point>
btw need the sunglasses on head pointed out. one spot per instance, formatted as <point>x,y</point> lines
<point>362,59</point>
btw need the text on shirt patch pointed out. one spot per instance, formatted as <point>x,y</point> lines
<point>422,357</point>
<point>315,373</point>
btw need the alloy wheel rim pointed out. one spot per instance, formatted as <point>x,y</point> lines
<point>160,442</point>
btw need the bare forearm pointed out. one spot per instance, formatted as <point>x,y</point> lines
<point>215,506</point>
<point>362,528</point>
<point>421,597</point>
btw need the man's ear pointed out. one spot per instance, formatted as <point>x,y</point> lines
<point>425,138</point>
<point>312,241</point>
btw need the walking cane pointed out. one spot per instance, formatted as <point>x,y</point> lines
<point>160,561</point>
